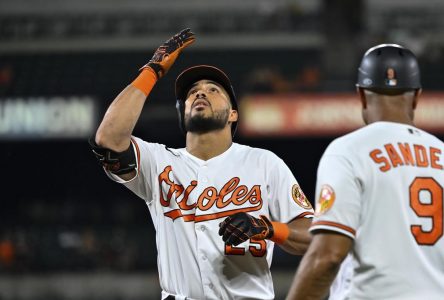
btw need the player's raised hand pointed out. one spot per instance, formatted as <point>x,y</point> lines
<point>241,226</point>
<point>167,53</point>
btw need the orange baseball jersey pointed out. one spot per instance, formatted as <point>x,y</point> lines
<point>188,198</point>
<point>382,186</point>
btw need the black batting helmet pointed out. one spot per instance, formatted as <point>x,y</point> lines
<point>196,73</point>
<point>389,69</point>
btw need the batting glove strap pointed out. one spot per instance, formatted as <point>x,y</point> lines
<point>266,226</point>
<point>168,52</point>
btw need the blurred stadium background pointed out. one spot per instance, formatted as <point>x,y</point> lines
<point>68,232</point>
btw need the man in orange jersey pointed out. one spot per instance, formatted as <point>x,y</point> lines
<point>218,207</point>
<point>380,195</point>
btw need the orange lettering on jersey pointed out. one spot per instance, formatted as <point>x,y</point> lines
<point>380,159</point>
<point>229,187</point>
<point>421,156</point>
<point>434,158</point>
<point>254,196</point>
<point>258,248</point>
<point>174,188</point>
<point>406,152</point>
<point>177,213</point>
<point>210,194</point>
<point>393,155</point>
<point>233,250</point>
<point>183,203</point>
<point>238,194</point>
<point>207,198</point>
<point>230,193</point>
<point>226,213</point>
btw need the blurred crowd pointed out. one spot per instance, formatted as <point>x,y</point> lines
<point>49,236</point>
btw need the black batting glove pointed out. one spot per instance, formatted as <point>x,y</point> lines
<point>241,227</point>
<point>167,53</point>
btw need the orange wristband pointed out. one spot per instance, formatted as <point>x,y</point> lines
<point>281,232</point>
<point>145,81</point>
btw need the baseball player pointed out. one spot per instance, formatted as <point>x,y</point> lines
<point>218,207</point>
<point>380,194</point>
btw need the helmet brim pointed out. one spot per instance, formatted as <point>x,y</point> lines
<point>191,75</point>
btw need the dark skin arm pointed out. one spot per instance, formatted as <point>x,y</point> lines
<point>319,266</point>
<point>299,238</point>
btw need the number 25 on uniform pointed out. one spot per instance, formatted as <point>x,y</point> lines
<point>258,248</point>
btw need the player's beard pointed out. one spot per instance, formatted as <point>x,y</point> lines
<point>203,124</point>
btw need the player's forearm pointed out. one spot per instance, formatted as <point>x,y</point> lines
<point>298,238</point>
<point>118,123</point>
<point>313,278</point>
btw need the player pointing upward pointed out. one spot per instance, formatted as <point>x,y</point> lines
<point>218,207</point>
<point>380,193</point>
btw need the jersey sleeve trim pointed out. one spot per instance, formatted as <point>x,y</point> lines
<point>333,226</point>
<point>306,214</point>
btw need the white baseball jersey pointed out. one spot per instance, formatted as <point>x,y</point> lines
<point>188,198</point>
<point>382,186</point>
